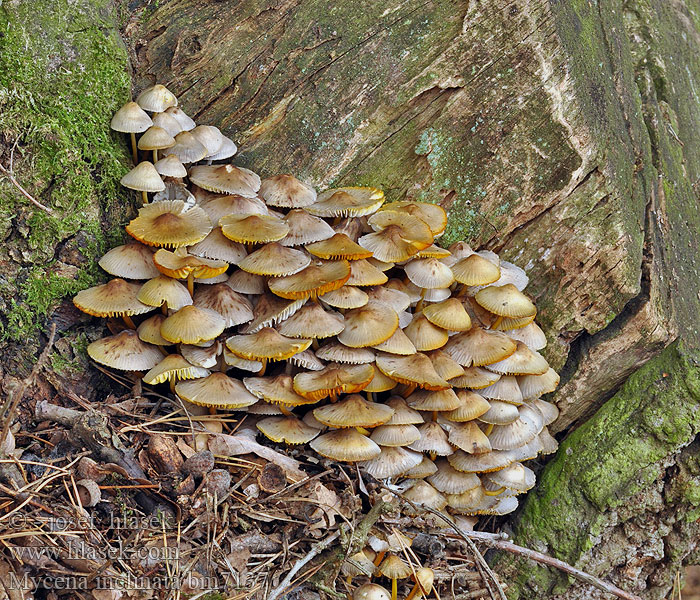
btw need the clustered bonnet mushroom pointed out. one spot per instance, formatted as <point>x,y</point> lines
<point>332,317</point>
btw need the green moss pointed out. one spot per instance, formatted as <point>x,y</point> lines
<point>62,75</point>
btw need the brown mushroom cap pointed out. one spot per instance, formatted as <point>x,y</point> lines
<point>277,390</point>
<point>433,251</point>
<point>397,237</point>
<point>468,437</point>
<point>204,355</point>
<point>218,247</point>
<point>156,138</point>
<point>254,228</point>
<point>421,470</point>
<point>173,368</point>
<point>472,406</point>
<point>506,389</point>
<point>450,481</point>
<point>478,347</point>
<point>433,440</point>
<point>334,351</point>
<point>424,335</point>
<point>286,429</point>
<point>370,591</point>
<point>234,308</point>
<point>170,223</point>
<point>534,386</point>
<point>398,343</point>
<point>500,413</point>
<point>394,568</point>
<point>522,362</point>
<point>433,215</point>
<point>311,321</point>
<point>416,369</point>
<point>395,435</point>
<point>429,273</point>
<point>217,390</point>
<point>332,380</point>
<point>513,435</point>
<point>162,289</point>
<point>424,494</point>
<point>266,344</point>
<point>345,297</point>
<point>475,270</point>
<point>475,378</point>
<point>218,206</point>
<point>363,273</point>
<point>226,179</point>
<point>516,477</point>
<point>124,351</point>
<point>392,461</point>
<point>338,246</point>
<point>369,325</point>
<point>433,401</point>
<point>179,265</point>
<point>130,118</point>
<point>470,502</point>
<point>445,366</point>
<point>143,178</point>
<point>531,335</point>
<point>304,228</point>
<point>192,325</point>
<point>114,298</point>
<point>397,299</point>
<point>353,411</point>
<point>156,98</point>
<point>346,445</point>
<point>149,331</point>
<point>130,261</point>
<point>347,202</point>
<point>448,314</point>
<point>275,260</point>
<point>505,301</point>
<point>270,310</point>
<point>246,283</point>
<point>287,191</point>
<point>319,278</point>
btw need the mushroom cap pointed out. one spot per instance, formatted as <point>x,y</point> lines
<point>505,301</point>
<point>200,355</point>
<point>241,363</point>
<point>371,591</point>
<point>433,401</point>
<point>424,494</point>
<point>210,137</point>
<point>354,411</point>
<point>164,290</point>
<point>500,413</point>
<point>481,463</point>
<point>398,343</point>
<point>471,501</point>
<point>531,335</point>
<point>550,412</point>
<point>549,444</point>
<point>346,445</point>
<point>311,321</point>
<point>333,379</point>
<point>192,325</point>
<point>416,369</point>
<point>234,308</point>
<point>253,228</point>
<point>114,298</point>
<point>522,362</point>
<point>408,289</point>
<point>380,383</point>
<point>217,390</point>
<point>433,439</point>
<point>319,278</point>
<point>246,283</point>
<point>338,246</point>
<point>143,178</point>
<point>363,273</point>
<point>179,265</point>
<point>130,261</point>
<point>130,118</point>
<point>403,414</point>
<point>534,386</point>
<point>278,389</point>
<point>450,481</point>
<point>304,228</point>
<point>287,429</point>
<point>516,477</point>
<point>149,331</point>
<point>166,121</point>
<point>226,179</point>
<point>173,368</point>
<point>170,223</point>
<point>218,206</point>
<point>347,202</point>
<point>156,138</point>
<point>124,351</point>
<point>506,389</point>
<point>424,335</point>
<point>334,351</point>
<point>156,98</point>
<point>263,408</point>
<point>468,437</point>
<point>433,215</point>
<point>265,344</point>
<point>475,378</point>
<point>433,251</point>
<point>429,273</point>
<point>307,360</point>
<point>369,325</point>
<point>187,148</point>
<point>227,149</point>
<point>448,314</point>
<point>394,568</point>
<point>275,260</point>
<point>472,406</point>
<point>218,247</point>
<point>445,366</point>
<point>421,470</point>
<point>170,166</point>
<point>478,347</point>
<point>358,564</point>
<point>397,237</point>
<point>395,435</point>
<point>424,577</point>
<point>181,117</point>
<point>270,310</point>
<point>345,297</point>
<point>513,435</point>
<point>392,461</point>
<point>286,191</point>
<point>475,270</point>
<point>397,299</point>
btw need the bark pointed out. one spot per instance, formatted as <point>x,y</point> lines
<point>561,133</point>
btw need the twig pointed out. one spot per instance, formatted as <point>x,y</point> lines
<point>315,551</point>
<point>24,192</point>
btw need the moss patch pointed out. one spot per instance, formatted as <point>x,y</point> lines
<point>63,73</point>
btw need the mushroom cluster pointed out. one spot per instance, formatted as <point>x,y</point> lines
<point>333,319</point>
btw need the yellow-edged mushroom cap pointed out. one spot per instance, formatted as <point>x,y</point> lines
<point>170,223</point>
<point>347,202</point>
<point>431,214</point>
<point>275,260</point>
<point>226,179</point>
<point>319,278</point>
<point>338,246</point>
<point>448,314</point>
<point>286,191</point>
<point>266,344</point>
<point>217,390</point>
<point>478,347</point>
<point>522,362</point>
<point>353,411</point>
<point>332,380</point>
<point>311,321</point>
<point>346,445</point>
<point>363,273</point>
<point>173,368</point>
<point>192,325</point>
<point>369,325</point>
<point>416,369</point>
<point>179,265</point>
<point>424,335</point>
<point>278,389</point>
<point>253,229</point>
<point>164,290</point>
<point>114,298</point>
<point>475,270</point>
<point>505,301</point>
<point>130,261</point>
<point>397,237</point>
<point>124,351</point>
<point>289,430</point>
